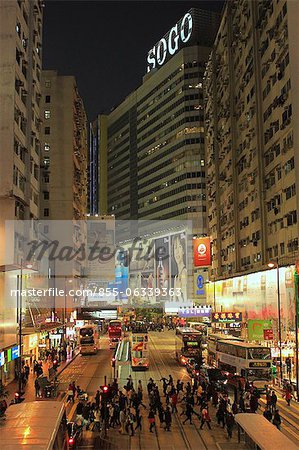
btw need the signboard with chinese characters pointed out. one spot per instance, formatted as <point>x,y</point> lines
<point>226,317</point>
<point>201,252</point>
<point>200,311</point>
<point>260,330</point>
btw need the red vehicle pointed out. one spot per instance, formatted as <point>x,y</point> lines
<point>115,333</point>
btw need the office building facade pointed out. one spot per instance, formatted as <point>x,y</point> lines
<point>155,137</point>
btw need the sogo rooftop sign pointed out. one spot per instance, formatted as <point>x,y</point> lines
<point>170,43</point>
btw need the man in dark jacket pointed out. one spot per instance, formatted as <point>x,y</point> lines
<point>167,418</point>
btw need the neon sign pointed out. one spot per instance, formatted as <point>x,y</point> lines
<point>170,43</point>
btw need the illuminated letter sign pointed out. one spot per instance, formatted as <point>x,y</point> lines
<point>173,38</point>
<point>169,45</point>
<point>202,252</point>
<point>161,51</point>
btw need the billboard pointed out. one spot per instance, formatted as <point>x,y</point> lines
<point>201,251</point>
<point>178,266</point>
<point>260,330</point>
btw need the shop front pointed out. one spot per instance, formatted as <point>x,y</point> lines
<point>8,363</point>
<point>30,347</point>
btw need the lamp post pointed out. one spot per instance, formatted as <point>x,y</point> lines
<point>271,265</point>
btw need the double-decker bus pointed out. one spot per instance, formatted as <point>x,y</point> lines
<point>187,344</point>
<point>251,361</point>
<point>89,339</point>
<point>115,333</point>
<point>139,348</point>
<point>35,425</point>
<point>212,340</point>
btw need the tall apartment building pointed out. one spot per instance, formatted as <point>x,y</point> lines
<point>155,161</point>
<point>64,149</point>
<point>252,178</point>
<point>20,124</point>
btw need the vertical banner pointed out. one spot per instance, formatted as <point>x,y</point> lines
<point>202,252</point>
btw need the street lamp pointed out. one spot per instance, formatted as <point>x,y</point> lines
<point>272,265</point>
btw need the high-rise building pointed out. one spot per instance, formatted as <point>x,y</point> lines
<point>97,179</point>
<point>250,148</point>
<point>155,137</point>
<point>20,124</point>
<point>64,149</point>
<point>20,93</point>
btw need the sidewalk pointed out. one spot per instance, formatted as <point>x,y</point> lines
<point>29,388</point>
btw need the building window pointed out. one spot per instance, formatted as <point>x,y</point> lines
<point>47,114</point>
<point>47,130</point>
<point>46,179</point>
<point>46,195</point>
<point>46,212</point>
<point>282,248</point>
<point>47,83</point>
<point>46,147</point>
<point>48,99</point>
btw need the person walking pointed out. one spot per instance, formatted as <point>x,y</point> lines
<point>167,416</point>
<point>288,396</point>
<point>138,420</point>
<point>205,418</point>
<point>273,401</point>
<point>173,402</point>
<point>161,415</point>
<point>277,419</point>
<point>188,413</point>
<point>79,411</point>
<point>220,414</point>
<point>130,422</point>
<point>122,419</point>
<point>97,399</point>
<point>37,388</point>
<point>151,420</point>
<point>97,421</point>
<point>230,422</point>
<point>70,394</point>
<point>268,414</point>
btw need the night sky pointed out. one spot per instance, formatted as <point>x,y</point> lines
<point>104,44</point>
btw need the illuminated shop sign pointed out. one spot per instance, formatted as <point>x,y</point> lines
<point>202,251</point>
<point>227,317</point>
<point>2,359</point>
<point>195,312</point>
<point>170,43</point>
<point>15,352</point>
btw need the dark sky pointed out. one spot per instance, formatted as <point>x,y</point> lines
<point>104,44</point>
